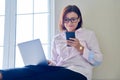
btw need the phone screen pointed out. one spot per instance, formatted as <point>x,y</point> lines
<point>70,35</point>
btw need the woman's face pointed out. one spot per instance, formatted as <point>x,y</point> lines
<point>71,21</point>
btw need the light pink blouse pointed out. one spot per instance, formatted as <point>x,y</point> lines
<point>69,57</point>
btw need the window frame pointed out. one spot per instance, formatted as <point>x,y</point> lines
<point>10,31</point>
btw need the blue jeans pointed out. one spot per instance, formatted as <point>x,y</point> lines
<point>41,72</point>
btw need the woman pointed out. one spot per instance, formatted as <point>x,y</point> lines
<point>73,62</point>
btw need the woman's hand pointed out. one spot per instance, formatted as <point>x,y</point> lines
<point>75,43</point>
<point>50,63</point>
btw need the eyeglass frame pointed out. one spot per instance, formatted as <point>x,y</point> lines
<point>73,20</point>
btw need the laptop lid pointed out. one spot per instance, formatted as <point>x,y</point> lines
<point>32,52</point>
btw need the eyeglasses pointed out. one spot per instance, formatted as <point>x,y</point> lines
<point>73,20</point>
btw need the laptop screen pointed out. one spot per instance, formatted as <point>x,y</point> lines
<point>32,52</point>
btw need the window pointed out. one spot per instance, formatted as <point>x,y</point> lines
<point>26,23</point>
<point>33,18</point>
<point>2,14</point>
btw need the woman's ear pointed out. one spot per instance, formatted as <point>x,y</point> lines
<point>78,19</point>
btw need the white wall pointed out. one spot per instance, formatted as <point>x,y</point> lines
<point>102,16</point>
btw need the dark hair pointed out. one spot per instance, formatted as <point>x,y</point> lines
<point>66,10</point>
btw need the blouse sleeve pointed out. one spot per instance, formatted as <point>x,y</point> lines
<point>53,54</point>
<point>92,51</point>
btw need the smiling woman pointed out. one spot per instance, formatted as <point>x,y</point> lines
<point>77,60</point>
<point>71,21</point>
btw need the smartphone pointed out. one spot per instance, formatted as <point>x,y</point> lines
<point>70,35</point>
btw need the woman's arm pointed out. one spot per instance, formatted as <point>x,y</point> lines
<point>92,51</point>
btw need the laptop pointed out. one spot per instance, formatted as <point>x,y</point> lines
<point>32,52</point>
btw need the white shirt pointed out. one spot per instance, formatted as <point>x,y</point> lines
<point>69,57</point>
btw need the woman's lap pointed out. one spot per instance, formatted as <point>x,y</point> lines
<point>41,73</point>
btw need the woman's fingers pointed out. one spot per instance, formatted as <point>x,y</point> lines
<point>73,42</point>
